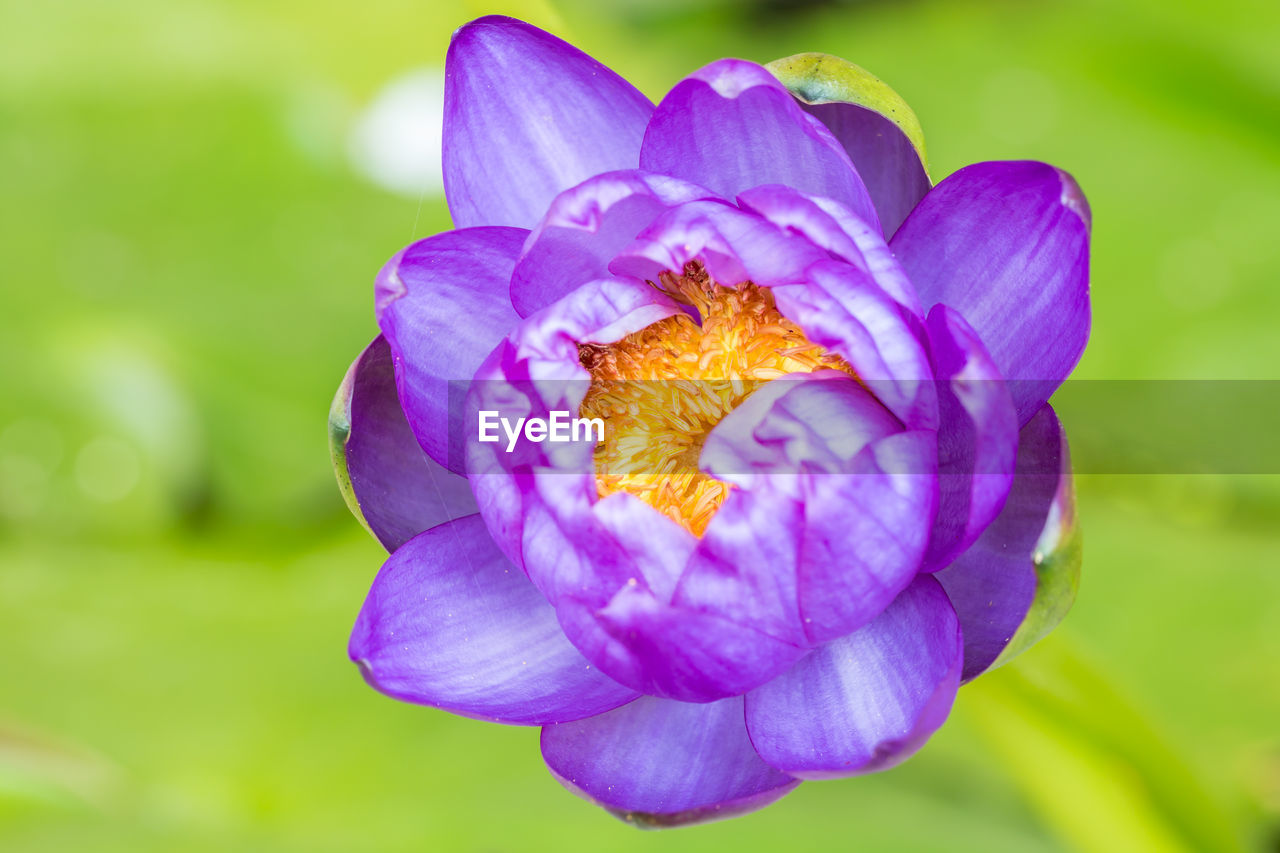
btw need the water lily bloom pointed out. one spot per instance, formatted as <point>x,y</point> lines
<point>830,488</point>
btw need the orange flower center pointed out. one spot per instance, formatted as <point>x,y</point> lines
<point>661,390</point>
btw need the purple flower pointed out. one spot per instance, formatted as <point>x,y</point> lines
<point>830,488</point>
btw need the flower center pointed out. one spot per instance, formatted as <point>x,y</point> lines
<point>662,389</point>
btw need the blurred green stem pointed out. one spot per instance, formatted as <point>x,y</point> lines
<point>1088,762</point>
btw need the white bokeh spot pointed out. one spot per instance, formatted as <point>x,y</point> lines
<point>397,139</point>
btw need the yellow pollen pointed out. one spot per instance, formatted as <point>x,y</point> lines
<point>662,389</point>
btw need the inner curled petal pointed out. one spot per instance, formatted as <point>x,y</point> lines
<point>662,389</point>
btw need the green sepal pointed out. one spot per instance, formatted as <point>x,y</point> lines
<point>819,78</point>
<point>339,434</point>
<point>1057,558</point>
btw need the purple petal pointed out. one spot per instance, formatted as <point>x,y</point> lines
<point>732,244</point>
<point>540,358</point>
<point>1007,245</point>
<point>883,155</point>
<point>732,126</point>
<point>842,309</point>
<point>526,116</point>
<point>834,227</point>
<point>657,762</point>
<point>395,488</point>
<point>868,700</point>
<point>443,305</point>
<point>675,651</point>
<point>602,311</point>
<point>1018,579</point>
<point>612,600</point>
<point>801,423</point>
<point>875,125</point>
<point>451,623</point>
<point>838,305</point>
<point>611,587</point>
<point>658,546</point>
<point>977,439</point>
<point>865,533</point>
<point>585,228</point>
<point>744,568</point>
<point>832,514</point>
<point>566,548</point>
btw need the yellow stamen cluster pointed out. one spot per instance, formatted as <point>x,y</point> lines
<point>662,389</point>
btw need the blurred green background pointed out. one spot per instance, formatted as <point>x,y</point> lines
<point>192,218</point>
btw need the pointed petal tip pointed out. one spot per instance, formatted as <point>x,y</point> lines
<point>359,650</point>
<point>478,26</point>
<point>388,286</point>
<point>449,623</point>
<point>526,116</point>
<point>730,77</point>
<point>362,665</point>
<point>738,106</point>
<point>1006,244</point>
<point>1073,198</point>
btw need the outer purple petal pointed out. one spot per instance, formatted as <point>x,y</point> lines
<point>397,489</point>
<point>674,651</point>
<point>585,228</point>
<point>527,116</point>
<point>451,623</point>
<point>657,762</point>
<point>977,439</point>
<point>1019,578</point>
<point>868,700</point>
<point>1007,245</point>
<point>443,305</point>
<point>732,126</point>
<point>883,155</point>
